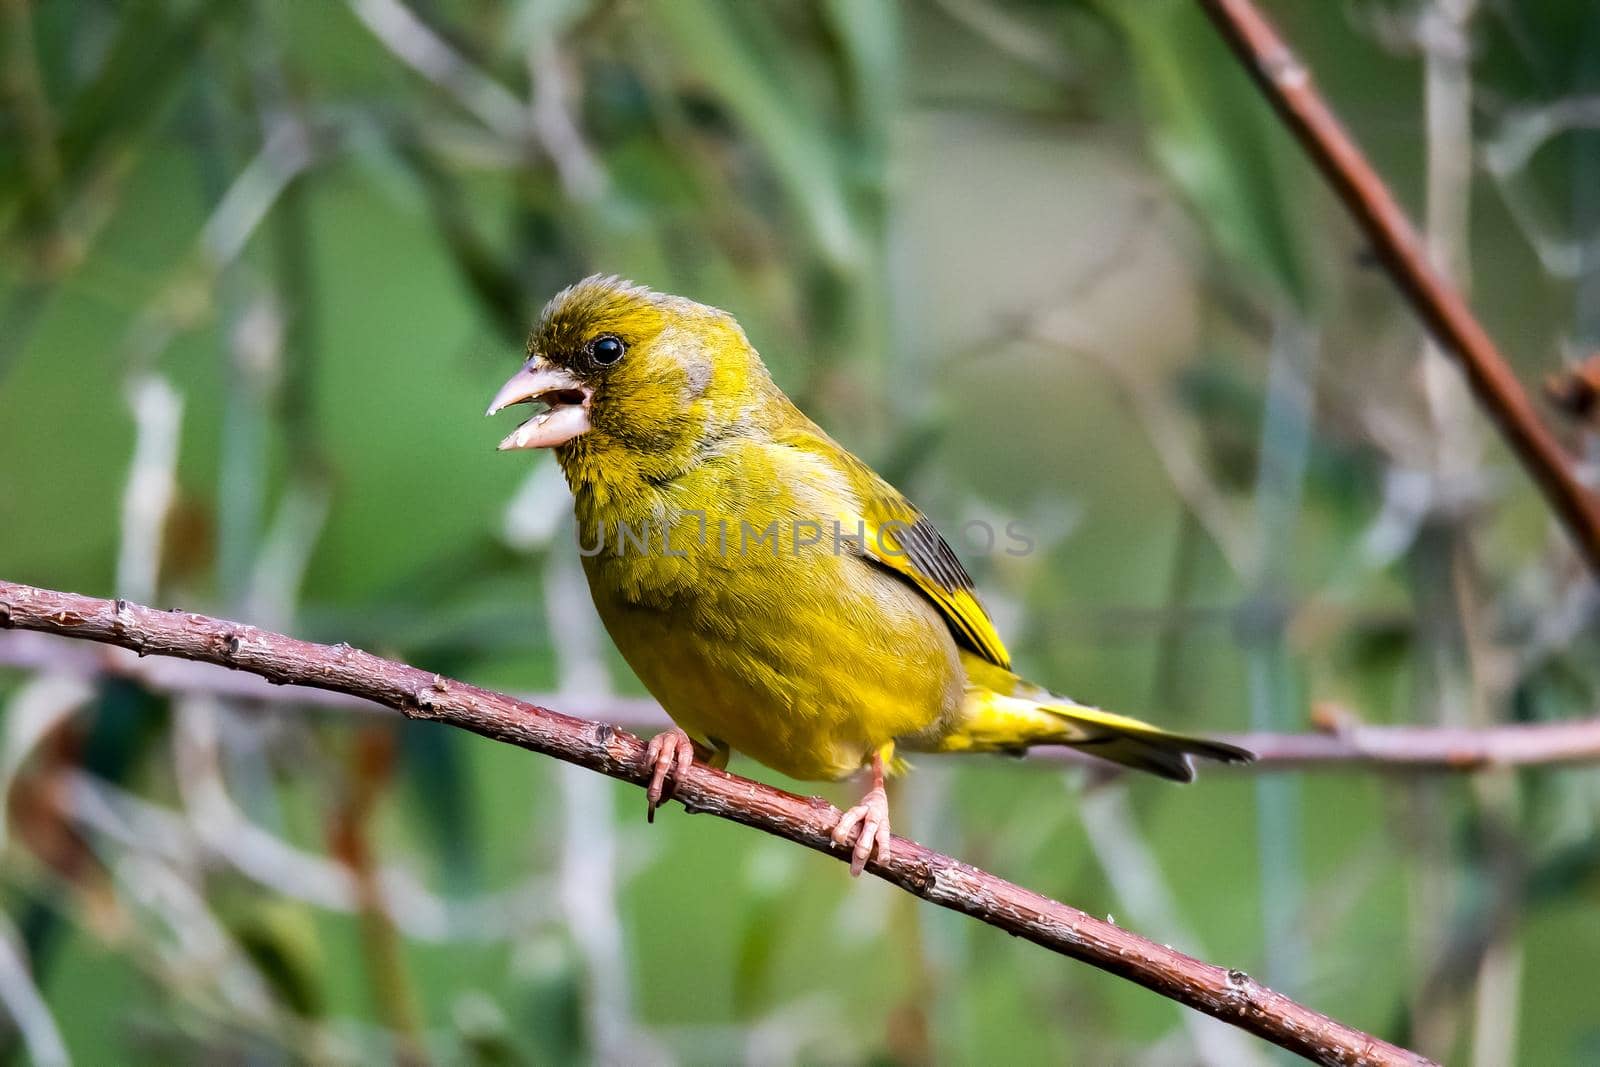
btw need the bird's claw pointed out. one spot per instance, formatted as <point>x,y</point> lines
<point>866,826</point>
<point>670,752</point>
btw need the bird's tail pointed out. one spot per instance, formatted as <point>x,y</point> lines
<point>1003,713</point>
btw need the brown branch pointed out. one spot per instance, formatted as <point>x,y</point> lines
<point>1345,744</point>
<point>1229,995</point>
<point>1287,84</point>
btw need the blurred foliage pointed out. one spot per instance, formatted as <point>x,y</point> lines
<point>1030,258</point>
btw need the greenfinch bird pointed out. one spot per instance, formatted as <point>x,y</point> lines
<point>774,594</point>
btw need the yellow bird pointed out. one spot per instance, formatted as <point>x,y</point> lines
<point>773,593</point>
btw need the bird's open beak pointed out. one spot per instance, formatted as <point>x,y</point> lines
<point>566,400</point>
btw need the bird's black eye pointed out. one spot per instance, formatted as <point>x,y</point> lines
<point>607,350</point>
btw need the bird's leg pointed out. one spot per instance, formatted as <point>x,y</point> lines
<point>670,752</point>
<point>867,824</point>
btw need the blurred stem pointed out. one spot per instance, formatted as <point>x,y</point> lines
<point>242,466</point>
<point>280,567</point>
<point>553,116</point>
<point>152,484</point>
<point>909,1030</point>
<point>1273,692</point>
<point>239,495</point>
<point>1455,634</point>
<point>413,42</point>
<point>250,337</point>
<point>371,768</point>
<point>1130,865</point>
<point>1586,193</point>
<point>25,1003</point>
<point>1446,25</point>
<point>1013,37</point>
<point>941,948</point>
<point>22,91</point>
<point>1503,864</point>
<point>1441,678</point>
<point>869,35</point>
<point>1443,30</point>
<point>1495,1018</point>
<point>1168,691</point>
<point>587,866</point>
<point>1585,212</point>
<point>297,297</point>
<point>22,310</point>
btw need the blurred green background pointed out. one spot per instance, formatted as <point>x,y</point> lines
<point>1055,263</point>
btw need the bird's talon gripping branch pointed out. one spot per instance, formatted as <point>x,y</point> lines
<point>867,824</point>
<point>670,752</point>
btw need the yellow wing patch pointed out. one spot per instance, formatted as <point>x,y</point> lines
<point>900,539</point>
<point>914,550</point>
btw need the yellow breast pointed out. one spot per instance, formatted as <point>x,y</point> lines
<point>790,649</point>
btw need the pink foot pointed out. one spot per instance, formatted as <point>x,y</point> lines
<point>671,752</point>
<point>866,826</point>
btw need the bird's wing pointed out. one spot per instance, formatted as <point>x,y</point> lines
<point>903,541</point>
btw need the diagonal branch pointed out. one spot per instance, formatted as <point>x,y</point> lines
<point>1287,85</point>
<point>1229,995</point>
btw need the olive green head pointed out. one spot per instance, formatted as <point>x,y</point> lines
<point>632,377</point>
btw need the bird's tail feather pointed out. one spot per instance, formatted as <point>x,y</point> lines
<point>1137,744</point>
<point>1015,715</point>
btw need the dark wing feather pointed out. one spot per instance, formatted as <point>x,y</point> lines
<point>902,540</point>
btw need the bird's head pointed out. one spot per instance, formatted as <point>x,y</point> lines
<point>632,375</point>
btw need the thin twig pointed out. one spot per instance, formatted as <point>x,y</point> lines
<point>173,678</point>
<point>1287,84</point>
<point>1230,995</point>
<point>152,482</point>
<point>553,117</point>
<point>415,43</point>
<point>1142,891</point>
<point>586,885</point>
<point>392,988</point>
<point>1168,428</point>
<point>1344,746</point>
<point>22,1000</point>
<point>227,839</point>
<point>1429,748</point>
